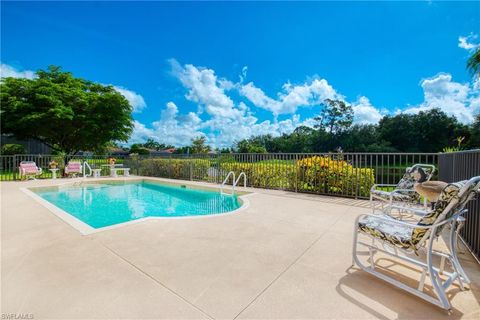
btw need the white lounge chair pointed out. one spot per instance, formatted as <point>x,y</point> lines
<point>74,168</point>
<point>403,193</point>
<point>29,169</point>
<point>405,240</point>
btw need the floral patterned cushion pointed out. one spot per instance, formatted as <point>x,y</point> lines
<point>394,233</point>
<point>415,174</point>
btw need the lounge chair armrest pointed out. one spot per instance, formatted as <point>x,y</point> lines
<point>407,224</point>
<point>410,209</point>
<point>386,218</point>
<point>404,190</point>
<point>375,186</point>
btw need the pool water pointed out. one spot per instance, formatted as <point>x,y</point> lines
<point>105,204</point>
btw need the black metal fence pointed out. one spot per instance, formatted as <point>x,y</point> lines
<point>342,174</point>
<point>9,164</point>
<point>462,166</point>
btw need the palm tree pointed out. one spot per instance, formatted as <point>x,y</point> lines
<point>473,63</point>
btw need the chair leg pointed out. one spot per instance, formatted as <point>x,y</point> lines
<point>354,245</point>
<point>372,204</point>
<point>453,249</point>
<point>436,281</point>
<point>428,269</point>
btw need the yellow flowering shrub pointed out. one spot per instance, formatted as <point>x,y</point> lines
<point>322,174</point>
<point>264,175</point>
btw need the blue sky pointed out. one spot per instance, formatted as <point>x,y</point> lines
<point>231,70</point>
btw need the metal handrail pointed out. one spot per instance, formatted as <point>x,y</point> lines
<point>85,164</point>
<point>238,179</point>
<point>225,181</point>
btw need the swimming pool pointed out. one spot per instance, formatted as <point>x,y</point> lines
<point>105,204</point>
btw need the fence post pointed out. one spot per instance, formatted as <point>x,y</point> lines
<point>296,172</point>
<point>14,165</point>
<point>356,175</point>
<point>191,167</point>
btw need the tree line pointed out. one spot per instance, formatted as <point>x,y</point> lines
<point>427,131</point>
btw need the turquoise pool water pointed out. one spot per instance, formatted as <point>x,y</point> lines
<point>106,204</point>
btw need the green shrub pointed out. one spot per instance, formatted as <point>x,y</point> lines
<point>11,149</point>
<point>264,175</point>
<point>175,168</point>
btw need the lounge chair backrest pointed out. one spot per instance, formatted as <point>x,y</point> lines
<point>74,166</point>
<point>28,167</point>
<point>418,173</point>
<point>453,198</point>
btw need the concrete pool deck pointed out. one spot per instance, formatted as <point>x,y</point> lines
<point>286,256</point>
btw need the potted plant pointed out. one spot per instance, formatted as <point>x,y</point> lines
<point>53,164</point>
<point>111,161</point>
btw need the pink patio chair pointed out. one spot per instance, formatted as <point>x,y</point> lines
<point>73,168</point>
<point>29,169</point>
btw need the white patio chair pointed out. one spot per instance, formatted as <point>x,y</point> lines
<point>29,169</point>
<point>403,193</point>
<point>405,240</point>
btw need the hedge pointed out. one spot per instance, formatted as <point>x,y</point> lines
<point>175,168</point>
<point>314,174</point>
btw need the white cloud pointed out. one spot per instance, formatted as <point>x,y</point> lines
<point>179,129</point>
<point>456,99</point>
<point>205,89</point>
<point>467,42</point>
<point>243,74</point>
<point>292,97</point>
<point>365,112</point>
<point>171,128</point>
<point>135,100</point>
<point>259,98</point>
<point>140,133</point>
<point>7,71</point>
<point>227,121</point>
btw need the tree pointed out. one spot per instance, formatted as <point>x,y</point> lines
<point>155,145</point>
<point>363,138</point>
<point>12,149</point>
<point>335,117</point>
<point>474,142</point>
<point>199,145</point>
<point>224,150</point>
<point>66,113</point>
<point>139,148</point>
<point>152,144</point>
<point>427,131</point>
<point>247,146</point>
<point>473,63</point>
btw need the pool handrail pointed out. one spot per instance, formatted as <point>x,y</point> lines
<point>238,179</point>
<point>231,173</point>
<point>86,165</point>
